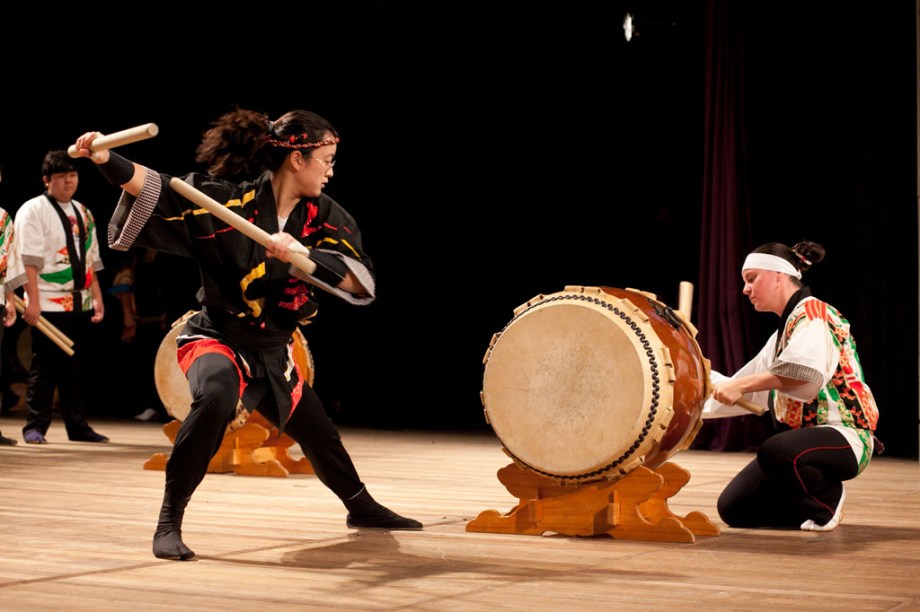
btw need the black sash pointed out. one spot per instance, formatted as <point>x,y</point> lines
<point>77,261</point>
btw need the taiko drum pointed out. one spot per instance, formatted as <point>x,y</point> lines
<point>589,383</point>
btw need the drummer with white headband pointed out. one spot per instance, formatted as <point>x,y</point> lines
<point>809,376</point>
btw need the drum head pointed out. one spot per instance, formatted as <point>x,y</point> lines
<point>172,385</point>
<point>566,385</point>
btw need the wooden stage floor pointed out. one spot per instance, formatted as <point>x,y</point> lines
<point>77,521</point>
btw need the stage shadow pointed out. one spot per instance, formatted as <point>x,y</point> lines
<point>377,558</point>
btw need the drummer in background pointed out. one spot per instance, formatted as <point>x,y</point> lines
<point>7,305</point>
<point>809,375</point>
<point>252,299</point>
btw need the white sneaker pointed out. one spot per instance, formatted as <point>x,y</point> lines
<point>810,525</point>
<point>147,415</point>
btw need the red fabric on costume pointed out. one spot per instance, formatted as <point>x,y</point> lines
<point>188,353</point>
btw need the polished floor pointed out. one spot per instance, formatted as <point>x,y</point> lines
<point>77,520</point>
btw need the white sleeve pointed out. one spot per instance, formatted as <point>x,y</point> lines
<point>811,357</point>
<point>717,410</point>
<point>30,234</point>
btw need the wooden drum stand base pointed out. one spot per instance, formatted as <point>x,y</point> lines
<point>633,507</point>
<point>254,449</point>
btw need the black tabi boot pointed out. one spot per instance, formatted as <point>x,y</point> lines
<point>364,512</point>
<point>167,540</point>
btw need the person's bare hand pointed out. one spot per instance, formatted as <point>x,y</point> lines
<point>282,244</point>
<point>84,145</point>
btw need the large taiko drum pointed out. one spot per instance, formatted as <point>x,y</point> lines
<point>592,382</point>
<point>172,386</point>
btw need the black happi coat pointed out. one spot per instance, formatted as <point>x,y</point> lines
<point>250,303</point>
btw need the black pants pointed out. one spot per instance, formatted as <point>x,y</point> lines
<point>52,368</point>
<point>797,475</point>
<point>214,383</point>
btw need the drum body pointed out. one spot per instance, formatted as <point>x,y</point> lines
<point>589,383</point>
<point>172,386</point>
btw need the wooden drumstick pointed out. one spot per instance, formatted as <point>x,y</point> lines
<point>685,299</point>
<point>231,218</point>
<point>117,139</point>
<point>749,405</point>
<point>53,333</point>
<point>684,306</point>
<point>21,307</point>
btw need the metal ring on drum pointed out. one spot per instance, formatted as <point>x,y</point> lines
<point>172,386</point>
<point>589,383</point>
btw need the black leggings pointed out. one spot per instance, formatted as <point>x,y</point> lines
<point>214,382</point>
<point>797,475</point>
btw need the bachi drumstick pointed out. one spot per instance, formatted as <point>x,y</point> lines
<point>53,333</point>
<point>21,306</point>
<point>684,305</point>
<point>231,218</point>
<point>117,139</point>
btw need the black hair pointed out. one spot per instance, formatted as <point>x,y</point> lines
<point>802,256</point>
<point>57,161</point>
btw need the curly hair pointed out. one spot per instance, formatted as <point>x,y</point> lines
<point>238,145</point>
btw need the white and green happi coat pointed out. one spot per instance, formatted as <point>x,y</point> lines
<point>817,349</point>
<point>41,241</point>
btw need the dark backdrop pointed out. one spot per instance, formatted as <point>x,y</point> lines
<point>494,156</point>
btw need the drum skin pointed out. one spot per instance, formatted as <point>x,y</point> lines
<point>589,383</point>
<point>172,386</point>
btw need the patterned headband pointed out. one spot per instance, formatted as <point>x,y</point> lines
<point>299,142</point>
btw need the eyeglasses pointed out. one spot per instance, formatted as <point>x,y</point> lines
<point>327,166</point>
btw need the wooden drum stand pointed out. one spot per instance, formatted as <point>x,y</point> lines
<point>253,449</point>
<point>635,507</point>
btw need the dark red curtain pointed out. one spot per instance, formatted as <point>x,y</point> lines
<point>723,312</point>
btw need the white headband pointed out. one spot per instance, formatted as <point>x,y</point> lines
<point>763,261</point>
